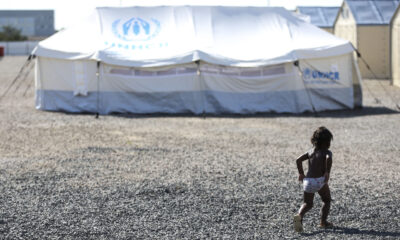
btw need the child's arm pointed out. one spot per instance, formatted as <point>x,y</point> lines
<point>328,166</point>
<point>299,162</point>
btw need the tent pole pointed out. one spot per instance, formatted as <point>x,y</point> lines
<point>297,64</point>
<point>202,90</point>
<point>98,89</point>
<point>30,83</point>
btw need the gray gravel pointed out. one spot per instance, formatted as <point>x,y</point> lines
<point>71,176</point>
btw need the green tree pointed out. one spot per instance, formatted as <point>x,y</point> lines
<point>10,33</point>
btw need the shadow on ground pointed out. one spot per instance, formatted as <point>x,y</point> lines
<point>365,111</point>
<point>355,231</point>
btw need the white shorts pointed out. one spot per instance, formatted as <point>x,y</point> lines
<point>313,185</point>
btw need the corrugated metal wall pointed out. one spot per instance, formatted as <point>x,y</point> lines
<point>374,46</point>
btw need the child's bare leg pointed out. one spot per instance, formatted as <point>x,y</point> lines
<point>325,194</point>
<point>307,205</point>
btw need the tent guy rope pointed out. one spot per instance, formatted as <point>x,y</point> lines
<point>380,83</point>
<point>20,73</point>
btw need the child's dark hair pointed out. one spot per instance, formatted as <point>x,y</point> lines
<point>321,136</point>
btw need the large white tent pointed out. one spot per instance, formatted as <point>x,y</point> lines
<point>196,59</point>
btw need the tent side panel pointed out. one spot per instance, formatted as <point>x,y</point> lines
<point>396,50</point>
<point>170,89</point>
<point>374,46</point>
<point>329,82</point>
<point>205,88</point>
<point>193,88</point>
<point>276,88</point>
<point>66,85</point>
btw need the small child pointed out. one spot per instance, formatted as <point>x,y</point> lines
<point>319,166</point>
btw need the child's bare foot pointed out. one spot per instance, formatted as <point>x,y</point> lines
<point>298,225</point>
<point>326,225</point>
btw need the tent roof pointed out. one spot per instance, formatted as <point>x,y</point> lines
<point>320,16</point>
<point>375,12</point>
<point>170,35</point>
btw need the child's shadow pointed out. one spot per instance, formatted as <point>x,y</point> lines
<point>354,231</point>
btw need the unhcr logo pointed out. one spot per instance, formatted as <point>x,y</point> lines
<point>136,29</point>
<point>312,75</point>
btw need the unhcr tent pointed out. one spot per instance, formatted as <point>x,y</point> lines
<point>187,59</point>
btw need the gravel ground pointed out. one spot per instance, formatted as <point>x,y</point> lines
<point>72,176</point>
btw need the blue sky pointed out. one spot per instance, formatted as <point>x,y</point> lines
<point>69,12</point>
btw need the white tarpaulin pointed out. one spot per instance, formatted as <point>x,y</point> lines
<point>195,59</point>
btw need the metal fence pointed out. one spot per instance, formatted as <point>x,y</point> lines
<point>18,48</point>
